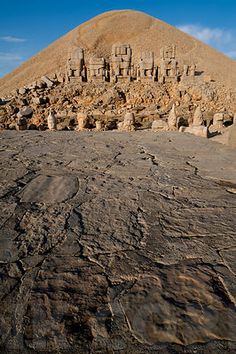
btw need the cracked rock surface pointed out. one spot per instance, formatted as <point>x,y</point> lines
<point>117,243</point>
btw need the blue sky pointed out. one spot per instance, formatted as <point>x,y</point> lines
<point>28,26</point>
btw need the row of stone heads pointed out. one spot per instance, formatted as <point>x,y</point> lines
<point>121,65</point>
<point>172,123</point>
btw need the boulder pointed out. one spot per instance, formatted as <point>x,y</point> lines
<point>22,90</point>
<point>47,81</point>
<point>25,112</point>
<point>38,100</point>
<point>21,124</point>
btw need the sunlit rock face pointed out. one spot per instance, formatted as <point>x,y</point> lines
<point>117,242</point>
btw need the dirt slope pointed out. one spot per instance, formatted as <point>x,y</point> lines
<point>143,32</point>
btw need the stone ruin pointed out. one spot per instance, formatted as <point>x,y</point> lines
<point>97,70</point>
<point>146,67</point>
<point>122,68</point>
<point>76,69</point>
<point>121,57</point>
<point>197,127</point>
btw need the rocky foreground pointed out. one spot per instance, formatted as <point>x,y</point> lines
<point>117,243</point>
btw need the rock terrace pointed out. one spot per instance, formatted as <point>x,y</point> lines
<point>117,242</point>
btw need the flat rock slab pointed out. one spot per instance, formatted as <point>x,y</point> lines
<point>117,243</point>
<point>49,189</point>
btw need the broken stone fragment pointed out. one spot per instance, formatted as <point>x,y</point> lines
<point>172,119</point>
<point>38,100</point>
<point>25,112</point>
<point>22,90</point>
<point>21,123</point>
<point>159,125</point>
<point>198,130</point>
<point>99,125</point>
<point>197,117</point>
<point>47,81</point>
<point>218,123</point>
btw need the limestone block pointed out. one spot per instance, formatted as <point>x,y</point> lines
<point>199,130</point>
<point>218,119</point>
<point>47,81</point>
<point>25,112</point>
<point>22,90</point>
<point>159,125</point>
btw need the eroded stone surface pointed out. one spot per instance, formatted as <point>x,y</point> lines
<point>49,189</point>
<point>117,243</point>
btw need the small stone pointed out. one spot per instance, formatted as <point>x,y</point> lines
<point>47,81</point>
<point>22,90</point>
<point>25,112</point>
<point>38,100</point>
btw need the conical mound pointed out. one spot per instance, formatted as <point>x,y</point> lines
<point>141,31</point>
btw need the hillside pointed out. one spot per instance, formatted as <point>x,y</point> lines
<point>141,31</point>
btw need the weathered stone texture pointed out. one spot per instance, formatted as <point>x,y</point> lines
<point>116,243</point>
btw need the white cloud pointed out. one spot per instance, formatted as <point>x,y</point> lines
<point>9,57</point>
<point>12,39</point>
<point>222,40</point>
<point>231,54</point>
<point>8,61</point>
<point>207,34</point>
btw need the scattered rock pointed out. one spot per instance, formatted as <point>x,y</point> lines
<point>25,112</point>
